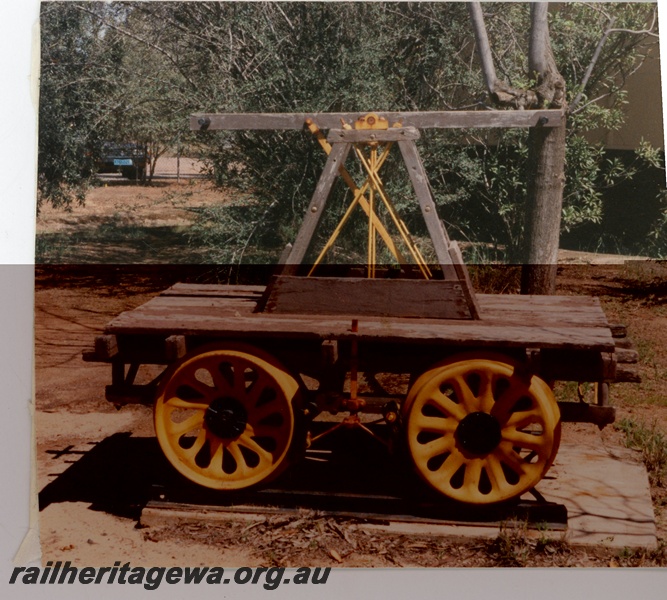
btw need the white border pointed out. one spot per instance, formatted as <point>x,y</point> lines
<point>17,161</point>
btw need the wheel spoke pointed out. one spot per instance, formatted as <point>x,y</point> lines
<point>200,387</point>
<point>221,384</point>
<point>176,402</point>
<point>472,475</point>
<point>436,447</point>
<point>523,419</point>
<point>239,366</point>
<point>257,388</point>
<point>198,445</point>
<point>434,424</point>
<point>264,411</point>
<point>216,455</point>
<point>506,453</point>
<point>485,394</point>
<point>505,403</point>
<point>178,429</point>
<point>524,440</point>
<point>447,405</point>
<point>496,474</point>
<point>239,459</point>
<point>451,465</point>
<point>255,430</point>
<point>466,398</point>
<point>251,444</point>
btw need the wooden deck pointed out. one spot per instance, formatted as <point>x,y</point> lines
<point>509,321</point>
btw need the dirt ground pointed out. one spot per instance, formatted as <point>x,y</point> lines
<point>89,456</point>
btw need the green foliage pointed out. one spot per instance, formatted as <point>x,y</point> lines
<point>149,65</point>
<point>512,547</point>
<point>652,443</point>
<point>72,80</point>
<point>656,243</point>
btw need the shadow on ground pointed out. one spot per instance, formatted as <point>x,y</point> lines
<point>351,474</point>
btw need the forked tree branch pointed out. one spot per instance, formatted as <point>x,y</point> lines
<point>541,62</point>
<point>500,92</point>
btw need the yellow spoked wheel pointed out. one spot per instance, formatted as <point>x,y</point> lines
<point>479,431</point>
<point>557,432</point>
<point>224,417</point>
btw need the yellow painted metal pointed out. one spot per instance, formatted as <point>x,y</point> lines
<point>372,185</point>
<point>376,183</point>
<point>371,228</point>
<point>257,386</point>
<point>520,408</point>
<point>359,198</point>
<point>371,121</point>
<point>557,435</point>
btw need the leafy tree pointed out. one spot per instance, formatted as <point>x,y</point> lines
<point>74,79</point>
<point>176,58</point>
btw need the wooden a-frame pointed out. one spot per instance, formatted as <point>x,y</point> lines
<point>449,298</point>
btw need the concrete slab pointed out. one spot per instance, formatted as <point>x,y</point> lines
<point>607,495</point>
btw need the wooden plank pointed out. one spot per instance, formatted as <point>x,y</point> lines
<point>559,302</point>
<point>106,346</point>
<point>331,169</point>
<point>175,347</point>
<point>627,356</point>
<point>226,311</point>
<point>185,312</point>
<point>372,329</point>
<point>367,297</point>
<point>213,302</point>
<point>494,305</point>
<point>423,192</point>
<point>618,330</point>
<point>537,316</point>
<point>627,373</point>
<point>579,365</point>
<point>421,120</point>
<point>549,309</point>
<point>373,135</point>
<point>580,412</point>
<point>624,343</point>
<point>208,289</point>
<point>513,310</point>
<point>162,320</point>
<point>537,320</point>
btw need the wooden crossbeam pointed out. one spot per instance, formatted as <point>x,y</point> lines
<point>423,120</point>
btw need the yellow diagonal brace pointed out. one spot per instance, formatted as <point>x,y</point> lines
<point>359,194</point>
<point>371,228</point>
<point>338,229</point>
<point>376,182</point>
<point>400,224</point>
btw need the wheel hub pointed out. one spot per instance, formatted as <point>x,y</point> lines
<point>226,417</point>
<point>478,433</point>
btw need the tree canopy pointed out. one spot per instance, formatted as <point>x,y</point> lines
<point>136,70</point>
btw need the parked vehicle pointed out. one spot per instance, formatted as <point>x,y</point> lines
<point>130,159</point>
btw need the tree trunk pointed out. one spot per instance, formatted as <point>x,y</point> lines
<point>546,166</point>
<point>546,147</point>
